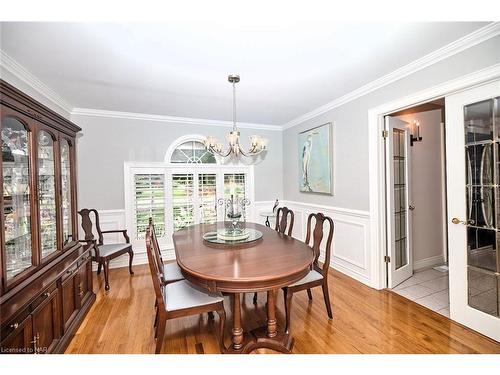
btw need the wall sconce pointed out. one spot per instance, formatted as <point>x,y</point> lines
<point>415,133</point>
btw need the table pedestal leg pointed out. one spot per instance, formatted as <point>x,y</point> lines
<point>271,315</point>
<point>237,330</point>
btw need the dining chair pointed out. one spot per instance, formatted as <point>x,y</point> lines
<point>281,226</point>
<point>169,272</point>
<point>104,253</point>
<point>317,276</point>
<point>180,298</point>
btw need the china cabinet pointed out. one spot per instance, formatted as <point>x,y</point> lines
<point>46,274</point>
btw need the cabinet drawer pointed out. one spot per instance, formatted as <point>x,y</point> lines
<point>83,258</point>
<point>14,323</point>
<point>43,296</point>
<point>70,271</point>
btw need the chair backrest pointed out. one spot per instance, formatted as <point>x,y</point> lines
<point>156,250</point>
<point>317,236</point>
<point>87,224</point>
<point>282,220</point>
<point>151,248</point>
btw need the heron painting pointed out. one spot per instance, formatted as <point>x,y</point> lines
<point>315,160</point>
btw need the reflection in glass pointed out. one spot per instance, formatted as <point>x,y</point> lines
<point>66,191</point>
<point>483,293</point>
<point>400,199</point>
<point>479,122</point>
<point>482,155</point>
<point>16,197</point>
<point>47,194</point>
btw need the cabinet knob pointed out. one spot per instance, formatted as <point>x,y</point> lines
<point>69,272</point>
<point>46,294</point>
<point>14,325</point>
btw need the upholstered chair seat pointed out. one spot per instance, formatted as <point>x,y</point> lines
<point>310,277</point>
<point>172,273</point>
<point>105,250</point>
<point>184,295</point>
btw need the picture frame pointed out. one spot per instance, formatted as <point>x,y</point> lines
<point>315,159</point>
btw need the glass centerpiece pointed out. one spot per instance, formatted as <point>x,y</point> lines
<point>234,219</point>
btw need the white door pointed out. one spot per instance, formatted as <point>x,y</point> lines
<point>473,180</point>
<point>400,265</point>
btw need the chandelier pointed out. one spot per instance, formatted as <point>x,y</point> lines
<point>257,143</point>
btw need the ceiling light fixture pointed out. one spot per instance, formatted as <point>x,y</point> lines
<point>257,143</point>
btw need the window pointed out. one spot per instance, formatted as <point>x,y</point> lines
<point>149,201</point>
<point>182,191</point>
<point>192,152</point>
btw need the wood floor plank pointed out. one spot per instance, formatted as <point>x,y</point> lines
<point>365,321</point>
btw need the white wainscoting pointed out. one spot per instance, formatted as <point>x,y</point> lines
<point>350,250</point>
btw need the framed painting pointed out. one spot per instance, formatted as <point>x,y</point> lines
<point>315,154</point>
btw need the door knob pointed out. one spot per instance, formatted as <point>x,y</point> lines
<point>458,221</point>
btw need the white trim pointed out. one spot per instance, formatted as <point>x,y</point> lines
<point>340,210</point>
<point>169,119</point>
<point>468,41</point>
<point>16,69</point>
<point>376,156</point>
<point>428,262</point>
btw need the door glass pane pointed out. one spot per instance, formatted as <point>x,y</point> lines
<point>149,196</point>
<point>481,148</point>
<point>66,191</point>
<point>400,199</point>
<point>182,200</point>
<point>47,194</point>
<point>207,193</point>
<point>479,122</point>
<point>16,196</point>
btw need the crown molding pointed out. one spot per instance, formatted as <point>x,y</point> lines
<point>16,69</point>
<point>487,32</point>
<point>169,119</point>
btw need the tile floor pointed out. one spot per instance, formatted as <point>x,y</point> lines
<point>428,288</point>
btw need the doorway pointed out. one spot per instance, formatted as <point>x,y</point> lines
<point>416,205</point>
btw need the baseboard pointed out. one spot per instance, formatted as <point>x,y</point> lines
<point>428,262</point>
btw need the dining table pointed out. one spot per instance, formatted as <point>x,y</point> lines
<point>264,264</point>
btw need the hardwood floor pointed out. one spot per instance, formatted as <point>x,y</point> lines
<point>365,321</point>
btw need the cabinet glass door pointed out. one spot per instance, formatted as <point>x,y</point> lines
<point>47,194</point>
<point>67,220</point>
<point>16,196</point>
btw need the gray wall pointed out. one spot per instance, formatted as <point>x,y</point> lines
<point>351,128</point>
<point>427,186</point>
<point>106,143</point>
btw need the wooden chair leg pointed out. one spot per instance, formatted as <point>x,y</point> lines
<point>326,296</point>
<point>287,295</point>
<point>309,294</point>
<point>156,321</point>
<point>160,333</point>
<point>130,258</point>
<point>106,275</point>
<point>99,266</point>
<point>255,298</point>
<point>222,324</point>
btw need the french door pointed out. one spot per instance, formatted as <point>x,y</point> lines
<point>400,261</point>
<point>473,180</point>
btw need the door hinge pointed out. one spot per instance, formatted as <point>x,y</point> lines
<point>385,133</point>
<point>387,259</point>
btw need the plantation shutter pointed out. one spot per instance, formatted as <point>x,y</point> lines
<point>149,201</point>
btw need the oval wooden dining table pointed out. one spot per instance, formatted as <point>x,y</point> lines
<point>267,264</point>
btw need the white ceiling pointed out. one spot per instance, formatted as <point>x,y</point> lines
<point>180,68</point>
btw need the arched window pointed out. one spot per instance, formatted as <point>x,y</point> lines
<point>192,152</point>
